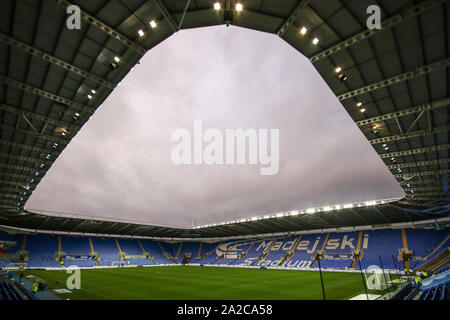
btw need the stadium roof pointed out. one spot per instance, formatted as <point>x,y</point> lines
<point>52,80</point>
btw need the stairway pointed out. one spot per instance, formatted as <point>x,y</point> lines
<point>199,250</point>
<point>179,250</point>
<point>24,247</point>
<point>438,262</point>
<point>149,257</point>
<point>405,248</point>
<point>358,248</point>
<point>121,255</point>
<point>321,249</point>
<point>265,253</point>
<point>166,255</point>
<point>242,256</point>
<point>288,256</point>
<point>91,244</point>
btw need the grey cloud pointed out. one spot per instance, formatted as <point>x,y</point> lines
<point>119,165</point>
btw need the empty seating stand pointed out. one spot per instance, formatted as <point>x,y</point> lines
<point>10,291</point>
<point>437,293</point>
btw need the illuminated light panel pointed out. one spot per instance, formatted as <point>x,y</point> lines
<point>305,211</point>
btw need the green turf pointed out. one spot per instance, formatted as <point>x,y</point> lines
<point>189,282</point>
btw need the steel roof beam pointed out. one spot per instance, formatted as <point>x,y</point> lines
<point>290,20</point>
<point>55,61</point>
<point>415,151</point>
<point>17,176</point>
<point>419,163</point>
<point>8,166</point>
<point>425,198</point>
<point>106,29</point>
<point>385,25</point>
<point>12,190</point>
<point>429,194</point>
<point>417,72</point>
<point>422,173</point>
<point>436,181</point>
<point>183,15</point>
<point>45,94</point>
<point>24,146</point>
<point>23,158</point>
<point>410,135</point>
<point>41,136</point>
<point>37,116</point>
<point>405,112</point>
<point>434,188</point>
<point>162,8</point>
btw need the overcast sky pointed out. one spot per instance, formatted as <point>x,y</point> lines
<point>119,165</point>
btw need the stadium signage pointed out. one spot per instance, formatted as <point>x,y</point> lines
<point>234,147</point>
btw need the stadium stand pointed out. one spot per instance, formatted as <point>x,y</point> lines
<point>378,247</point>
<point>9,290</point>
<point>433,288</point>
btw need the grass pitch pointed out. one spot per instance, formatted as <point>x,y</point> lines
<point>204,283</point>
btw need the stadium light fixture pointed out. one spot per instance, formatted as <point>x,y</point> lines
<point>89,97</point>
<point>338,207</point>
<point>384,145</point>
<point>47,156</point>
<point>303,31</point>
<point>117,59</point>
<point>342,77</point>
<point>327,209</point>
<point>239,7</point>
<point>217,6</point>
<point>141,33</point>
<point>359,104</point>
<point>93,91</point>
<point>363,110</point>
<point>338,69</point>
<point>294,213</point>
<point>153,24</point>
<point>315,41</point>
